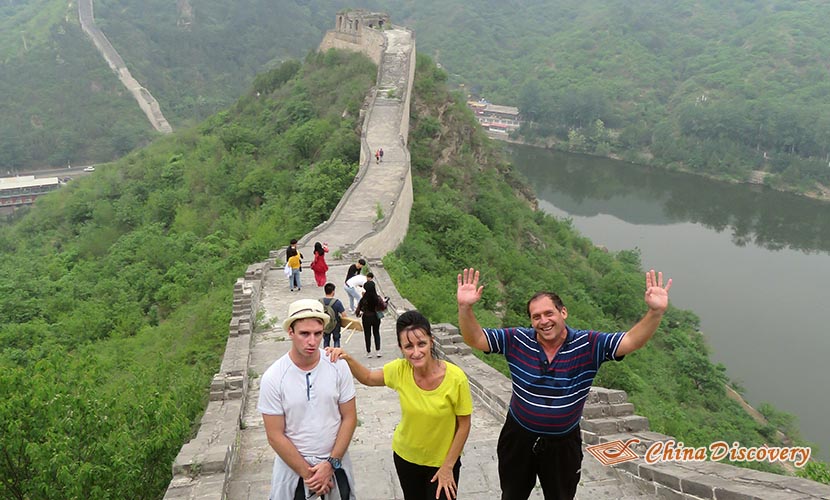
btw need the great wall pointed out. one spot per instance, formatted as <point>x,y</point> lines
<point>142,96</point>
<point>229,458</point>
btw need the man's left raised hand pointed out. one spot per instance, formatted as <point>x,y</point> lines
<point>657,296</point>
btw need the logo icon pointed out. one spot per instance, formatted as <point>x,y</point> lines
<point>613,452</point>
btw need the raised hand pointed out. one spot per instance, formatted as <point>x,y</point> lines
<point>468,292</point>
<point>657,296</point>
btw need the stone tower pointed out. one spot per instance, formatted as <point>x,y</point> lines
<point>353,22</point>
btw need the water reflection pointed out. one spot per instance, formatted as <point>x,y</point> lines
<point>588,186</point>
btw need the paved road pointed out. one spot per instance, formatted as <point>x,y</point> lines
<point>72,172</point>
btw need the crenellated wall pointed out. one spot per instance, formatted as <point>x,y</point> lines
<point>145,100</point>
<point>388,107</point>
<point>203,465</point>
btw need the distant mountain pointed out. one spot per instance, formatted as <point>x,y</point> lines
<point>719,88</point>
<point>61,103</point>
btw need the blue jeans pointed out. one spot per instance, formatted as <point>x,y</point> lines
<point>353,294</point>
<point>294,280</point>
<point>327,338</point>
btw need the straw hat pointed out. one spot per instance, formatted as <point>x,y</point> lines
<point>305,308</point>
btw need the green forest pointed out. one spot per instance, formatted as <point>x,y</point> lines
<point>716,88</point>
<point>60,102</point>
<point>116,291</point>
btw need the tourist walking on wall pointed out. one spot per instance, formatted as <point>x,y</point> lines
<point>552,366</point>
<point>369,309</point>
<point>380,153</point>
<point>294,263</point>
<point>334,308</point>
<point>292,249</point>
<point>435,410</point>
<point>377,156</point>
<point>356,283</point>
<point>353,294</point>
<point>307,403</point>
<point>318,265</point>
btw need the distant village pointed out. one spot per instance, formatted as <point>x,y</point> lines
<point>495,119</point>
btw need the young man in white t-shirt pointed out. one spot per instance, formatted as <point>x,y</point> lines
<point>308,407</point>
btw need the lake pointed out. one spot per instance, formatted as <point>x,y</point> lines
<point>753,263</point>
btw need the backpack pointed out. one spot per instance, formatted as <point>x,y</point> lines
<point>333,319</point>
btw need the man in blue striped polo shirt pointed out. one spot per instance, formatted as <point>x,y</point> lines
<point>552,367</point>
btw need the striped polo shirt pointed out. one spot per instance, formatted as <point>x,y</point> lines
<point>548,398</point>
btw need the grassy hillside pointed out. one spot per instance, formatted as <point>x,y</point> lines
<point>115,291</point>
<point>199,60</point>
<point>59,101</point>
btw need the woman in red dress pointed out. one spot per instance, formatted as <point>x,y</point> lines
<point>318,265</point>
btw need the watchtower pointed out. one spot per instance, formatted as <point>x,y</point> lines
<point>354,21</point>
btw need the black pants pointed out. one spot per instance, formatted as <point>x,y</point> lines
<point>523,455</point>
<point>371,327</point>
<point>342,484</point>
<point>415,479</point>
<point>327,337</point>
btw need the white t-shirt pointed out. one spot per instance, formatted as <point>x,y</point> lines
<point>309,400</point>
<point>357,281</point>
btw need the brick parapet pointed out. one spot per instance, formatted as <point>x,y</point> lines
<point>204,464</point>
<point>616,421</point>
<point>390,231</point>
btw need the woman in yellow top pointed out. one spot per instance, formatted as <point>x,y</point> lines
<point>435,410</point>
<point>295,264</point>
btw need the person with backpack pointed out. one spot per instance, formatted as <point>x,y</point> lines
<point>334,308</point>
